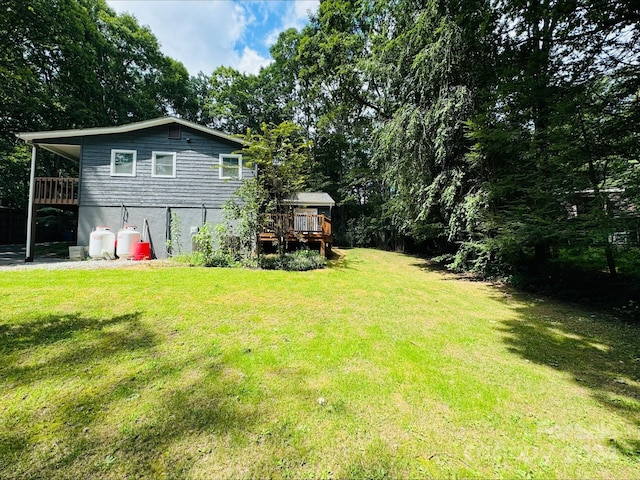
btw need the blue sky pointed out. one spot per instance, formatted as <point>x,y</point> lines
<point>205,34</point>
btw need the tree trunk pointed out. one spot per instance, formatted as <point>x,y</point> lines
<point>611,261</point>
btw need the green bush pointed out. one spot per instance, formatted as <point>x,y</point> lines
<point>486,259</point>
<point>206,255</point>
<point>298,261</point>
<point>219,258</point>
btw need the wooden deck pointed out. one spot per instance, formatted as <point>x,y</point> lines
<point>56,191</point>
<point>298,229</point>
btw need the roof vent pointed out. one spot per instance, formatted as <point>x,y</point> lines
<point>175,132</point>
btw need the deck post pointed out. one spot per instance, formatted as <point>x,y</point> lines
<point>31,212</point>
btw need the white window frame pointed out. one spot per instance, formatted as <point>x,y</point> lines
<point>116,151</point>
<point>153,164</point>
<point>229,155</point>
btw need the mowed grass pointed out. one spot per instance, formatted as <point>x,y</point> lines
<point>377,367</point>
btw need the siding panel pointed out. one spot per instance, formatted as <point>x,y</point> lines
<point>196,181</point>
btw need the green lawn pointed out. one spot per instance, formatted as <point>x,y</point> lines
<point>377,367</point>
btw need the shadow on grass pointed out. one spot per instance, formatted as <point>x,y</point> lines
<point>162,419</point>
<point>69,342</point>
<point>98,397</point>
<point>602,353</point>
<point>49,329</point>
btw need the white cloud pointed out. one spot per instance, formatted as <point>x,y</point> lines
<point>272,37</point>
<point>206,34</point>
<point>202,35</point>
<point>251,62</point>
<point>303,8</point>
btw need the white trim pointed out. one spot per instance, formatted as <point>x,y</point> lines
<point>230,155</point>
<point>131,127</point>
<point>115,151</point>
<point>153,164</point>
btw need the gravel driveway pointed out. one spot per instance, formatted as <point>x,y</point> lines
<point>12,259</point>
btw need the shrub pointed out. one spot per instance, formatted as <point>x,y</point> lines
<point>298,261</point>
<point>219,258</point>
<point>174,242</point>
<point>486,259</point>
<point>206,255</point>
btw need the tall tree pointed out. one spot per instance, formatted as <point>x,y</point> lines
<point>281,154</point>
<point>542,139</point>
<point>343,107</point>
<point>441,53</point>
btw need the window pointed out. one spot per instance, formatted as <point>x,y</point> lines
<point>123,163</point>
<point>230,166</point>
<point>163,164</point>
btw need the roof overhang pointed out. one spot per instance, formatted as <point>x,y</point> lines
<point>311,199</point>
<point>71,150</point>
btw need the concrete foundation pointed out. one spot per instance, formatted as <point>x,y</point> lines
<point>189,220</point>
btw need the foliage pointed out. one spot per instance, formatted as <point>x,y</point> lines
<point>442,52</point>
<point>174,242</point>
<point>14,180</point>
<point>282,157</point>
<point>216,258</point>
<point>206,254</point>
<point>231,103</point>
<point>485,122</point>
<point>235,102</point>
<point>485,259</point>
<point>297,261</point>
<point>203,241</point>
<point>551,139</point>
<point>362,231</point>
<point>237,234</point>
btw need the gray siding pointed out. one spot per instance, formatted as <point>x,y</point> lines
<point>197,181</point>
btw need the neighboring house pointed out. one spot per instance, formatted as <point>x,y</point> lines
<point>137,173</point>
<point>623,216</point>
<point>146,173</point>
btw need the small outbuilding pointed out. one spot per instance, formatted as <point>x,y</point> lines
<point>307,224</point>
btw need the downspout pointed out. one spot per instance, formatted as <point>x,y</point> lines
<point>31,240</point>
<point>124,215</point>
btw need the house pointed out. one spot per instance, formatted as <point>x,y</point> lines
<point>141,174</point>
<point>149,174</point>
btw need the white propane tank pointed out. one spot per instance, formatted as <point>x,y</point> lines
<point>102,243</point>
<point>128,238</point>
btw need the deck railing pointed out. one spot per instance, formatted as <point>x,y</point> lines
<point>56,191</point>
<point>297,223</point>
